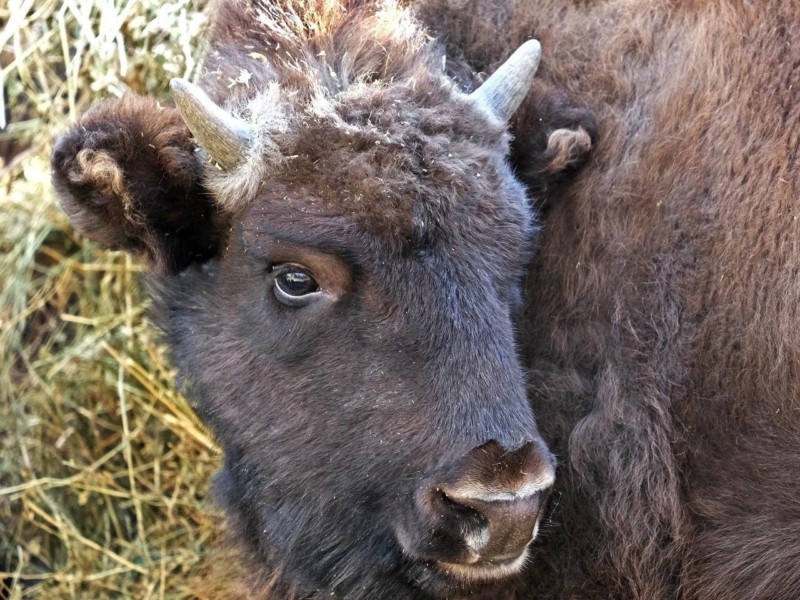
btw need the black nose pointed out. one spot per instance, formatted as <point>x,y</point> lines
<point>478,521</point>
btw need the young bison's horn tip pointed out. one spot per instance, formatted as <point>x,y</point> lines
<point>504,91</point>
<point>226,138</point>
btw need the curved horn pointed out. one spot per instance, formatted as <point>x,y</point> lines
<point>226,138</point>
<point>505,90</point>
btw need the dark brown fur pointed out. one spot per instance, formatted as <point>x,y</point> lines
<point>133,163</point>
<point>659,327</point>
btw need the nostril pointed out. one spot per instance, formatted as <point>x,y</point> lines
<point>510,524</point>
<point>473,525</point>
<point>456,506</point>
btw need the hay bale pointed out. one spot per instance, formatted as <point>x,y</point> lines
<point>104,466</point>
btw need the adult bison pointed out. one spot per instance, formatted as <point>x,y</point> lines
<point>339,284</point>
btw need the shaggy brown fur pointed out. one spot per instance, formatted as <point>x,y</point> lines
<point>660,318</point>
<point>663,307</point>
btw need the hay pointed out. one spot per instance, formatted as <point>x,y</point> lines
<point>103,465</point>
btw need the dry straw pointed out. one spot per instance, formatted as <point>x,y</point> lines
<point>103,465</point>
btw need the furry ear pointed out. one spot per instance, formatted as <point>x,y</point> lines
<point>553,138</point>
<point>129,178</point>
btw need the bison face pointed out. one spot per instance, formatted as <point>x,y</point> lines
<point>339,302</point>
<point>358,364</point>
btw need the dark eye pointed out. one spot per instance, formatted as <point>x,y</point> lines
<point>294,285</point>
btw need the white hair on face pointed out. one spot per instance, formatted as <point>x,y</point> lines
<point>236,187</point>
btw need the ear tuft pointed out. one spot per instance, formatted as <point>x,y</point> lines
<point>566,149</point>
<point>128,177</point>
<point>98,170</point>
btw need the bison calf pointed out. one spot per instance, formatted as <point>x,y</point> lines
<point>337,222</point>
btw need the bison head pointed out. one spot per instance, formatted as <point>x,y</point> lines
<point>336,276</point>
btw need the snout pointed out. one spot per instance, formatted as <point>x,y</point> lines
<point>476,518</point>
